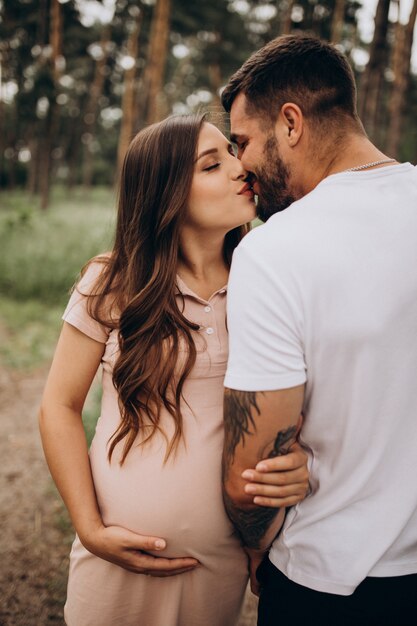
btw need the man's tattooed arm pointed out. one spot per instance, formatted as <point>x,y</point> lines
<point>238,407</point>
<point>241,411</point>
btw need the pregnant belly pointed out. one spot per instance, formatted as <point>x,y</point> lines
<point>180,501</point>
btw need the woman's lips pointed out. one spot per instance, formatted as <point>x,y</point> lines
<point>246,190</point>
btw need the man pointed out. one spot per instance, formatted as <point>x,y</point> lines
<point>323,320</point>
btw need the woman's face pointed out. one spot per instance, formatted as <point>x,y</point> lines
<point>219,199</point>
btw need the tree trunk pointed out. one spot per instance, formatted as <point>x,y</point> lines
<point>287,21</point>
<point>129,95</point>
<point>55,38</point>
<point>45,161</point>
<point>33,144</point>
<point>42,24</point>
<point>158,49</point>
<point>338,21</point>
<point>401,67</point>
<point>73,154</point>
<point>8,130</point>
<point>91,109</point>
<point>2,130</point>
<point>372,83</point>
<point>216,82</point>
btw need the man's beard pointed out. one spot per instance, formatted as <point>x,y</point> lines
<point>273,182</point>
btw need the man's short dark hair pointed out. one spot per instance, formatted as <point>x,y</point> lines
<point>301,69</point>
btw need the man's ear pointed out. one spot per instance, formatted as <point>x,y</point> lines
<point>291,123</point>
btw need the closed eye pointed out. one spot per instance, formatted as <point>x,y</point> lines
<point>211,167</point>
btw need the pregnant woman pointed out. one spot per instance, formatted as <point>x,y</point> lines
<point>154,546</point>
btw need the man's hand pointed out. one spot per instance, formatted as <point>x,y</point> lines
<point>280,481</point>
<point>255,558</point>
<point>129,550</point>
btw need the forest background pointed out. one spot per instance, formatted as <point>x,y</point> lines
<point>77,79</point>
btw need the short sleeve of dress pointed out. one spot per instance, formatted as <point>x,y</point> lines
<point>76,312</point>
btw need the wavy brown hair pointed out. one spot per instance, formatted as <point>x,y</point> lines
<point>136,292</point>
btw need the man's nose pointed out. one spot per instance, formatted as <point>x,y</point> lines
<point>239,171</point>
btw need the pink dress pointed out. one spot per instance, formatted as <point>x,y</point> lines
<point>180,500</point>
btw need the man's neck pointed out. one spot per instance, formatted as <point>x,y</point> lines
<point>339,155</point>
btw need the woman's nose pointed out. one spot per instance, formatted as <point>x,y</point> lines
<point>239,171</point>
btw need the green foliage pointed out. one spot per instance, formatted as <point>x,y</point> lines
<point>42,253</point>
<point>28,331</point>
<point>91,411</point>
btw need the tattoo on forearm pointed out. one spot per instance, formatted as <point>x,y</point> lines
<point>238,406</point>
<point>282,443</point>
<point>250,524</point>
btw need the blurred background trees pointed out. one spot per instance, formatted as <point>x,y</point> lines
<point>79,77</point>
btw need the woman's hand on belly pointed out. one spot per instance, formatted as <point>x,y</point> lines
<point>129,550</point>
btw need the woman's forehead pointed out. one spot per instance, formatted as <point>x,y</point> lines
<point>210,134</point>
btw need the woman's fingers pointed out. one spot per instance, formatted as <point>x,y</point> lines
<point>115,537</point>
<point>129,550</point>
<point>277,503</point>
<point>276,497</point>
<point>281,481</point>
<point>144,542</point>
<point>273,491</point>
<point>295,459</point>
<point>299,475</point>
<point>160,566</point>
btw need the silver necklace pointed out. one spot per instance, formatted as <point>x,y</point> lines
<point>367,165</point>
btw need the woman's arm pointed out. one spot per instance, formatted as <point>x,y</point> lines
<point>75,363</point>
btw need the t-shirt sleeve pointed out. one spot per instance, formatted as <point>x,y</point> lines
<point>76,312</point>
<point>265,324</point>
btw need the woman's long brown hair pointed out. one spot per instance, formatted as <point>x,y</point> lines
<point>139,280</point>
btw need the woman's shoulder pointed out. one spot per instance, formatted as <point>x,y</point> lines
<point>91,272</point>
<point>91,290</point>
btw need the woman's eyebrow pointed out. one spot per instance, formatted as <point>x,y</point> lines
<point>212,151</point>
<point>205,152</point>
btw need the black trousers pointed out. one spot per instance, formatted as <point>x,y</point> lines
<point>375,602</point>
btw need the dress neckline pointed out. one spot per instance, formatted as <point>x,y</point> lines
<point>186,291</point>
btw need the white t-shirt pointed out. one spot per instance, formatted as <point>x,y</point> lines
<point>326,293</point>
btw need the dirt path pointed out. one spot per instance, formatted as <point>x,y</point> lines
<point>33,550</point>
<point>34,538</point>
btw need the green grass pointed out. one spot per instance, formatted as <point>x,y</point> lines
<point>91,411</point>
<point>43,251</point>
<point>29,331</point>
